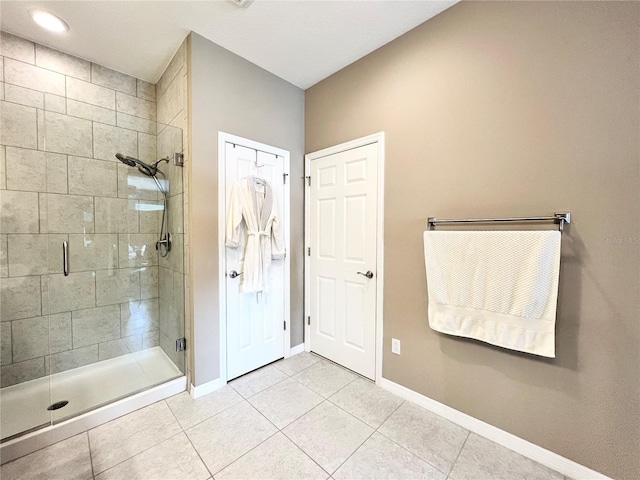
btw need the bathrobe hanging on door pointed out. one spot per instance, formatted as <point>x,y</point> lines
<point>252,200</point>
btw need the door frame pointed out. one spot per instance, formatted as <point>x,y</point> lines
<point>379,139</point>
<point>223,138</point>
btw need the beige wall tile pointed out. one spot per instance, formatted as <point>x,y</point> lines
<point>111,349</point>
<point>117,286</point>
<point>116,215</point>
<point>3,167</point>
<point>147,147</point>
<point>5,343</point>
<point>150,213</point>
<point>60,339</point>
<point>151,339</point>
<point>36,78</point>
<point>55,103</point>
<point>169,140</point>
<point>23,96</point>
<point>148,282</point>
<point>134,343</point>
<point>56,173</point>
<point>146,90</point>
<point>19,212</point>
<point>17,48</point>
<point>20,298</point>
<point>172,100</point>
<point>19,125</point>
<point>176,218</point>
<point>68,213</point>
<point>137,250</point>
<point>28,254</point>
<point>170,321</point>
<point>90,93</point>
<point>178,292</point>
<point>35,171</point>
<point>138,107</point>
<point>92,177</point>
<point>109,140</point>
<point>35,254</point>
<point>165,285</point>
<point>64,294</point>
<point>93,252</point>
<point>62,63</point>
<point>22,372</point>
<point>91,112</point>
<point>178,61</point>
<point>66,134</point>
<point>95,325</point>
<point>30,338</point>
<point>175,260</point>
<point>111,79</point>
<point>4,269</point>
<point>75,358</point>
<point>139,317</point>
<point>136,123</point>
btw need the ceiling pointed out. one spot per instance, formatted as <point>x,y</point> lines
<point>301,41</point>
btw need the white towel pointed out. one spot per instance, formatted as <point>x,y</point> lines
<point>500,287</point>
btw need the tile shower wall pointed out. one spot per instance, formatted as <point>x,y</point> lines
<point>63,119</point>
<point>172,119</point>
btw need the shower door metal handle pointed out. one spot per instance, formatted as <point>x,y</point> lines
<point>65,258</point>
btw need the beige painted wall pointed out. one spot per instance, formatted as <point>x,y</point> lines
<point>230,94</point>
<point>503,109</point>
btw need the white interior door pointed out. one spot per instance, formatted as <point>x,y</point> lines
<point>255,323</point>
<point>343,257</point>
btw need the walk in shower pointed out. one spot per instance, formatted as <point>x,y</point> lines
<point>92,272</point>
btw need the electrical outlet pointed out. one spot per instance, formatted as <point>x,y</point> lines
<point>395,346</point>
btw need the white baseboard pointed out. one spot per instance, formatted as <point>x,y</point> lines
<point>523,447</point>
<point>205,388</point>
<point>296,350</point>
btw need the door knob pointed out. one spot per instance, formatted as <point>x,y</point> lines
<point>234,274</point>
<point>369,274</point>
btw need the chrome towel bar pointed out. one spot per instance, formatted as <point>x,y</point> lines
<point>559,218</point>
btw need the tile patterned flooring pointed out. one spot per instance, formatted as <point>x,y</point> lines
<point>299,418</point>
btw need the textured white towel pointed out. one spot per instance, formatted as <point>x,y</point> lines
<point>500,287</point>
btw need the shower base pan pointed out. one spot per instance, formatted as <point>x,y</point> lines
<point>95,393</point>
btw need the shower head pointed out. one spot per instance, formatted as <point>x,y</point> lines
<point>126,160</point>
<point>144,168</point>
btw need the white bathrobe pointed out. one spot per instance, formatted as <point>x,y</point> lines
<point>252,200</point>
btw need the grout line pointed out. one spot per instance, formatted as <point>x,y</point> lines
<point>299,448</point>
<point>93,472</point>
<point>459,452</point>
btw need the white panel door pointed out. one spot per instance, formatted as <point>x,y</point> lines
<point>343,215</point>
<point>255,323</point>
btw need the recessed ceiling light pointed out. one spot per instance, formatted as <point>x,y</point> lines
<point>49,21</point>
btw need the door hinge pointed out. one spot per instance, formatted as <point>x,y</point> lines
<point>309,320</point>
<point>284,178</point>
<point>285,325</point>
<point>308,177</point>
<point>181,344</point>
<point>308,251</point>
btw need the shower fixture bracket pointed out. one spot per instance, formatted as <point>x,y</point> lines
<point>181,344</point>
<point>178,159</point>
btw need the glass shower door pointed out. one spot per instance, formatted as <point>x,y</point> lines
<point>25,348</point>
